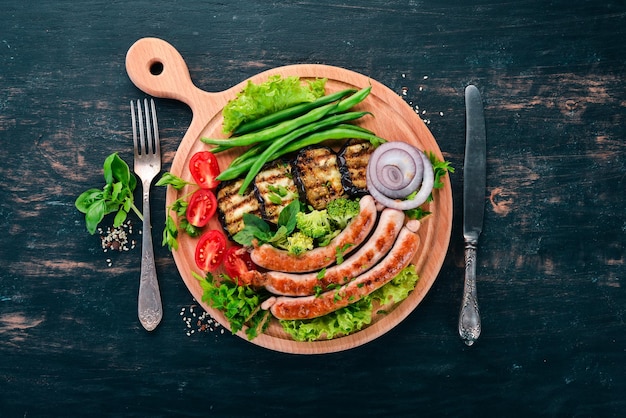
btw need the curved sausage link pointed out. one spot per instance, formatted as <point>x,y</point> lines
<point>376,247</point>
<point>358,229</point>
<point>308,307</point>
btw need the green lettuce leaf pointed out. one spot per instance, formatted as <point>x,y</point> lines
<point>277,93</point>
<point>399,287</point>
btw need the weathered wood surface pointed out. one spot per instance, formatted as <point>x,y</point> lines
<point>551,261</point>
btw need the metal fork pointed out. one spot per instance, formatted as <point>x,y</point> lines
<point>147,166</point>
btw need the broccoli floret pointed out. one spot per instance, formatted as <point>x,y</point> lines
<point>342,210</point>
<point>314,224</point>
<point>297,243</point>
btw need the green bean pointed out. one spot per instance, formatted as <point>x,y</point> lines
<point>324,123</point>
<point>290,112</point>
<point>219,148</point>
<point>249,153</point>
<point>355,127</point>
<point>275,131</point>
<point>272,148</point>
<point>338,132</point>
<point>353,100</point>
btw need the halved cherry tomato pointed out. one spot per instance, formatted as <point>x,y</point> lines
<point>204,168</point>
<point>210,250</point>
<point>237,261</point>
<point>202,206</point>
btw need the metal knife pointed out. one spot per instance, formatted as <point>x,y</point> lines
<point>474,185</point>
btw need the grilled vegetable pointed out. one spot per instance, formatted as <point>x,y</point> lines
<point>317,176</point>
<point>352,159</point>
<point>275,189</point>
<point>231,205</point>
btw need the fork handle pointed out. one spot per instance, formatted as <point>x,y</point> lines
<point>149,304</point>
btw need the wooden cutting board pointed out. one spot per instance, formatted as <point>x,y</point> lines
<point>159,70</point>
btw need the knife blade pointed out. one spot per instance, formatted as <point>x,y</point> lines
<point>474,185</point>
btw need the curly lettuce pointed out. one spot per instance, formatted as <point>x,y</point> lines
<point>277,93</point>
<point>355,316</point>
<point>240,304</point>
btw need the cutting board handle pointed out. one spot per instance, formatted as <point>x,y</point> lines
<point>158,69</point>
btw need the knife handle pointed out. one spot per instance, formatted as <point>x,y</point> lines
<point>469,317</point>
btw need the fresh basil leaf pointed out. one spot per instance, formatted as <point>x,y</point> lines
<point>94,215</point>
<point>287,216</point>
<point>254,221</point>
<point>116,169</point>
<point>87,198</point>
<point>279,236</point>
<point>108,170</point>
<point>117,188</point>
<point>120,217</point>
<point>132,181</point>
<point>244,237</point>
<point>119,169</point>
<point>169,179</point>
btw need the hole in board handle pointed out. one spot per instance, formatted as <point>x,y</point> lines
<point>156,68</point>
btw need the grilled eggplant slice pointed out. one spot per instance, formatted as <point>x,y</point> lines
<point>352,159</point>
<point>275,189</point>
<point>231,206</point>
<point>317,176</point>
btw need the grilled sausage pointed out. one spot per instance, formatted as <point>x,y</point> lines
<point>358,229</point>
<point>308,307</point>
<point>376,247</point>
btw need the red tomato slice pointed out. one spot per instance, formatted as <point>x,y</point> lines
<point>210,250</point>
<point>204,168</point>
<point>202,206</point>
<point>237,261</point>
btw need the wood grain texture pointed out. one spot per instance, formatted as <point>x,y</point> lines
<point>551,258</point>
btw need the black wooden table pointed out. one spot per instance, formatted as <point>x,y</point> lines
<point>551,261</point>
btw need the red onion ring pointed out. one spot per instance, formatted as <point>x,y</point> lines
<point>397,169</point>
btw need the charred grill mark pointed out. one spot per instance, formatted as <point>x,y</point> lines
<point>362,260</point>
<point>277,175</point>
<point>317,176</point>
<point>231,206</point>
<point>313,306</point>
<point>352,160</point>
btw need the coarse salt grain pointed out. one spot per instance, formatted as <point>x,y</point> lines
<point>198,323</point>
<point>116,239</point>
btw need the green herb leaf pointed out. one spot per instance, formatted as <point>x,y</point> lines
<point>116,169</point>
<point>240,304</point>
<point>169,179</point>
<point>339,251</point>
<point>87,198</point>
<point>274,198</point>
<point>94,215</point>
<point>115,196</point>
<point>287,216</point>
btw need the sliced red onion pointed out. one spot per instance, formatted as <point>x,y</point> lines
<point>397,169</point>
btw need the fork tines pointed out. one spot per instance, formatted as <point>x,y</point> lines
<point>148,140</point>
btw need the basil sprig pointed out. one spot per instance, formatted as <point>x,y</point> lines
<point>115,196</point>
